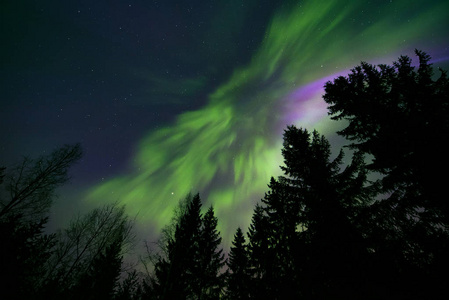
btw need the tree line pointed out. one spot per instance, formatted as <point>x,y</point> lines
<point>375,227</point>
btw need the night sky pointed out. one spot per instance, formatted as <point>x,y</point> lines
<point>168,97</point>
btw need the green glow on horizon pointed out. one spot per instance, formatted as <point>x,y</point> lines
<point>230,148</point>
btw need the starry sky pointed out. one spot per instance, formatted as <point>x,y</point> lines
<point>170,97</point>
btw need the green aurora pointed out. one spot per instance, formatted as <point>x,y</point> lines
<point>229,149</point>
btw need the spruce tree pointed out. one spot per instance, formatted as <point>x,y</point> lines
<point>260,255</point>
<point>398,115</point>
<point>193,263</point>
<point>332,198</point>
<point>100,280</point>
<point>176,274</point>
<point>211,259</point>
<point>280,206</point>
<point>238,279</point>
<point>305,239</point>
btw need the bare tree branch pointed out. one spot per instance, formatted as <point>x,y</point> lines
<point>31,185</point>
<point>85,239</point>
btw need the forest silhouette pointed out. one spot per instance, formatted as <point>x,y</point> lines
<point>374,227</point>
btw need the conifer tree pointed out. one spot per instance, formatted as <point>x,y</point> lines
<point>100,280</point>
<point>334,200</point>
<point>238,279</point>
<point>211,258</point>
<point>307,227</point>
<point>260,255</point>
<point>176,274</point>
<point>398,115</point>
<point>192,267</point>
<point>282,205</point>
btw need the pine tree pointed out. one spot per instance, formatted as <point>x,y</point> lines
<point>238,280</point>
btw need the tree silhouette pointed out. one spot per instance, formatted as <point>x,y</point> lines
<point>322,230</point>
<point>191,266</point>
<point>260,256</point>
<point>238,280</point>
<point>24,208</point>
<point>100,279</point>
<point>132,288</point>
<point>304,241</point>
<point>30,186</point>
<point>81,262</point>
<point>211,259</point>
<point>282,211</point>
<point>82,245</point>
<point>176,273</point>
<point>399,117</point>
<point>23,254</point>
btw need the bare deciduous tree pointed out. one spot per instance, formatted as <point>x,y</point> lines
<point>84,240</point>
<point>30,186</point>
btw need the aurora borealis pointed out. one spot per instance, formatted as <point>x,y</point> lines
<point>184,117</point>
